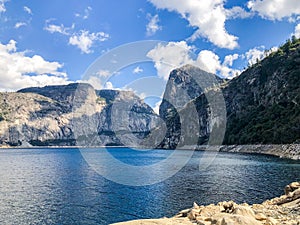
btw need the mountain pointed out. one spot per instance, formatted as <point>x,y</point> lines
<point>262,104</point>
<point>74,114</point>
<point>186,121</point>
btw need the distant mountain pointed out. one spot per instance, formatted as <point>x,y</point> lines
<point>262,104</point>
<point>74,114</point>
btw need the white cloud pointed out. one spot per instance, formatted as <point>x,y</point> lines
<point>86,13</point>
<point>103,73</point>
<point>297,31</point>
<point>177,54</point>
<point>258,53</point>
<point>208,61</point>
<point>2,5</point>
<point>170,56</point>
<point>207,16</point>
<point>97,83</point>
<point>18,70</point>
<point>53,28</point>
<point>152,27</point>
<point>237,12</point>
<point>228,60</point>
<point>84,40</point>
<point>20,24</point>
<point>27,9</point>
<point>137,70</point>
<point>109,85</point>
<point>255,54</point>
<point>275,9</point>
<point>94,81</point>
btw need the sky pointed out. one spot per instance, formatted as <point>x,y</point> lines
<point>55,42</point>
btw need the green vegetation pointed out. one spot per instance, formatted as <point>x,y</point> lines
<point>273,115</point>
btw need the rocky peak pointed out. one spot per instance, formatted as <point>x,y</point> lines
<point>262,104</point>
<point>184,85</point>
<point>74,114</point>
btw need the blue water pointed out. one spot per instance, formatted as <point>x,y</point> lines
<point>57,186</point>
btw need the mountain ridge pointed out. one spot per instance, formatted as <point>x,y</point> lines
<point>262,104</point>
<point>262,107</point>
<point>71,115</point>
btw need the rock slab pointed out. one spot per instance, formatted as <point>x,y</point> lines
<point>284,210</point>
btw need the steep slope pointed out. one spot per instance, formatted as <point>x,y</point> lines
<point>184,103</point>
<point>73,114</point>
<point>262,103</point>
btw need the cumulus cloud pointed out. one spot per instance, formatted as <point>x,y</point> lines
<point>137,70</point>
<point>258,53</point>
<point>228,61</point>
<point>170,56</point>
<point>237,12</point>
<point>20,24</point>
<point>109,85</point>
<point>275,9</point>
<point>210,62</point>
<point>177,54</point>
<point>2,5</point>
<point>27,9</point>
<point>84,40</point>
<point>255,54</point>
<point>152,27</point>
<point>207,16</point>
<point>297,31</point>
<point>17,70</point>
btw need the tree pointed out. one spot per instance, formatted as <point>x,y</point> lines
<point>294,39</point>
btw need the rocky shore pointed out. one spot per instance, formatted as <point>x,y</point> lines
<point>290,151</point>
<point>284,210</point>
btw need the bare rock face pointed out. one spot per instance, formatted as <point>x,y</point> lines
<point>262,104</point>
<point>277,211</point>
<point>74,114</point>
<point>186,91</point>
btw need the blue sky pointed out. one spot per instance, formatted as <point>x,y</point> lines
<point>54,42</point>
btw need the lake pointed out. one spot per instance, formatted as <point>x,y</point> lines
<point>58,186</point>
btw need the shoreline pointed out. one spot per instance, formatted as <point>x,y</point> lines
<point>277,211</point>
<point>288,151</point>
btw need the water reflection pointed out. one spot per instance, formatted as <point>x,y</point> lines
<point>57,186</point>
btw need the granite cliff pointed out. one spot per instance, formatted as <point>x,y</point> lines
<point>74,114</point>
<point>262,104</point>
